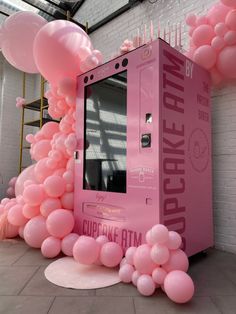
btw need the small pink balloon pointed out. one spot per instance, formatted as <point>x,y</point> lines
<point>142,259</point>
<point>217,43</point>
<point>149,238</point>
<point>68,243</point>
<point>179,286</point>
<point>220,29</point>
<point>16,217</point>
<point>205,56</point>
<point>178,260</point>
<point>129,254</point>
<point>35,231</point>
<point>217,13</point>
<point>86,250</point>
<point>159,234</point>
<point>4,201</point>
<point>123,261</point>
<point>229,3</point>
<point>54,186</point>
<point>67,200</point>
<point>158,275</point>
<point>12,182</point>
<point>191,19</point>
<point>224,62</point>
<point>230,20</point>
<point>49,205</point>
<point>111,254</point>
<point>201,20</point>
<point>30,211</point>
<point>10,192</point>
<point>174,242</point>
<point>126,272</point>
<point>146,285</point>
<point>21,231</point>
<point>135,276</point>
<point>159,254</point>
<point>51,247</point>
<point>203,35</point>
<point>41,149</point>
<point>102,239</point>
<point>60,223</point>
<point>230,38</point>
<point>11,231</point>
<point>49,129</point>
<point>98,55</point>
<point>42,171</point>
<point>34,194</point>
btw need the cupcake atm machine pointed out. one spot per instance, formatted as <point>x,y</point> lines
<point>144,148</point>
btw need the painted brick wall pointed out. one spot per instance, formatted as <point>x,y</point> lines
<point>108,39</point>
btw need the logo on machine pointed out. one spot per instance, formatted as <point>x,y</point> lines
<point>146,52</point>
<point>198,150</point>
<point>104,211</point>
<point>142,174</point>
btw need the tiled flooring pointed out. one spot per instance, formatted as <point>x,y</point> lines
<point>24,289</point>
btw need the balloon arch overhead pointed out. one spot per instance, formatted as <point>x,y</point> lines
<point>213,41</point>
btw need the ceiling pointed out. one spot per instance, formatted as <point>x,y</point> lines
<point>67,9</point>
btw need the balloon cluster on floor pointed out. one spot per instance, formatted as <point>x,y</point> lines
<point>158,263</point>
<point>213,40</point>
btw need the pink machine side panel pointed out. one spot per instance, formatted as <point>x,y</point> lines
<point>125,217</point>
<point>185,150</point>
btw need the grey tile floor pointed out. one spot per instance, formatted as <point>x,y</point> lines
<point>24,289</point>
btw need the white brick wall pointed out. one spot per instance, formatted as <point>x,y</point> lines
<point>108,39</point>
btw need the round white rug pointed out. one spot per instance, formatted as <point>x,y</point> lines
<point>67,273</point>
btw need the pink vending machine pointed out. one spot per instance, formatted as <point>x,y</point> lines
<point>144,153</point>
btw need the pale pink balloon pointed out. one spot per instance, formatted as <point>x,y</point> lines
<point>60,223</point>
<point>201,20</point>
<point>135,276</point>
<point>41,149</point>
<point>15,216</point>
<point>68,243</point>
<point>205,56</point>
<point>68,176</point>
<point>216,77</point>
<point>111,254</point>
<point>230,20</point>
<point>59,172</point>
<point>220,29</point>
<point>126,272</point>
<point>123,261</point>
<point>10,192</point>
<point>51,247</point>
<point>30,138</point>
<point>98,55</point>
<point>18,33</point>
<point>67,86</point>
<point>52,164</point>
<point>42,171</point>
<point>217,13</point>
<point>159,234</point>
<point>8,206</point>
<point>159,254</point>
<point>229,3</point>
<point>158,275</point>
<point>21,231</point>
<point>224,62</point>
<point>28,182</point>
<point>86,250</point>
<point>12,182</point>
<point>34,194</point>
<point>149,238</point>
<point>35,231</point>
<point>179,286</point>
<point>146,285</point>
<point>174,242</point>
<point>129,254</point>
<point>102,239</point>
<point>4,201</point>
<point>56,50</point>
<point>30,211</point>
<point>67,200</point>
<point>217,43</point>
<point>203,35</point>
<point>178,260</point>
<point>70,164</point>
<point>191,19</point>
<point>26,174</point>
<point>230,38</point>
<point>142,259</point>
<point>49,129</point>
<point>54,186</point>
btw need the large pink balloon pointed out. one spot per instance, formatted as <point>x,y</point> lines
<point>111,254</point>
<point>225,63</point>
<point>86,250</point>
<point>230,20</point>
<point>15,216</point>
<point>56,50</point>
<point>179,286</point>
<point>68,243</point>
<point>18,33</point>
<point>27,174</point>
<point>51,247</point>
<point>205,56</point>
<point>60,223</point>
<point>203,35</point>
<point>217,13</point>
<point>229,3</point>
<point>35,231</point>
<point>178,261</point>
<point>142,259</point>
